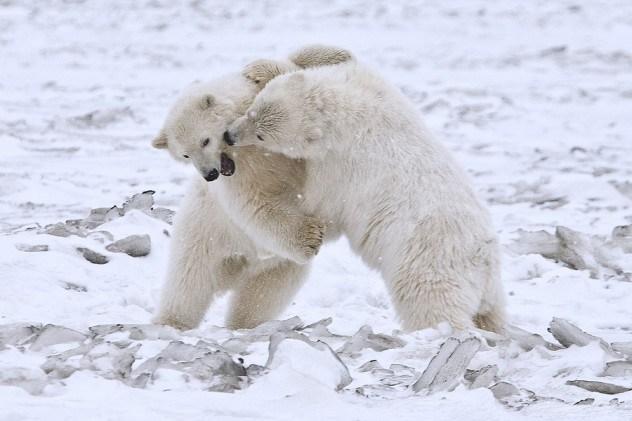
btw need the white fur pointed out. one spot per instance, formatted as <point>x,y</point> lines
<point>379,176</point>
<point>245,233</point>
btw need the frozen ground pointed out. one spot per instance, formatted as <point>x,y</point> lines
<point>535,100</point>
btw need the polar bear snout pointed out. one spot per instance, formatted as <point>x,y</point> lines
<point>228,139</point>
<point>241,133</point>
<point>227,166</point>
<point>211,175</point>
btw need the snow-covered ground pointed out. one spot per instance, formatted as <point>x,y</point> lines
<point>534,98</point>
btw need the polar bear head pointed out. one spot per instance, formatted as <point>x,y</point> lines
<point>193,130</point>
<point>285,117</point>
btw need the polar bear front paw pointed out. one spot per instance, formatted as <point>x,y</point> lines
<point>174,322</point>
<point>263,71</point>
<point>310,237</point>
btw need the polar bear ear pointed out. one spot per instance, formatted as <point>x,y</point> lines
<point>206,102</point>
<point>160,141</point>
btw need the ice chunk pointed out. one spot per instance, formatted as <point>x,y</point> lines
<point>527,340</point>
<point>61,229</point>
<point>618,369</point>
<point>599,387</point>
<point>53,335</point>
<point>503,390</point>
<point>31,248</point>
<point>313,359</point>
<point>447,367</point>
<point>365,338</point>
<point>92,256</point>
<point>370,366</point>
<point>568,334</point>
<point>140,201</point>
<point>18,333</point>
<point>31,380</point>
<point>275,326</point>
<point>624,348</point>
<point>482,377</point>
<point>133,245</point>
<point>153,332</point>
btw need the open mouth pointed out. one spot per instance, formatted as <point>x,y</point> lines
<point>227,166</point>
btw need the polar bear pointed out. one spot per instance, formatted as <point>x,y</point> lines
<point>375,171</point>
<point>244,232</point>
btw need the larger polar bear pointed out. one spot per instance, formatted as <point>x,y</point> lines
<point>245,232</point>
<point>373,169</point>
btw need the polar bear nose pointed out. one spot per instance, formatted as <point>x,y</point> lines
<point>212,175</point>
<point>228,139</point>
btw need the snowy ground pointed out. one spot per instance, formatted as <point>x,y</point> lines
<point>534,98</point>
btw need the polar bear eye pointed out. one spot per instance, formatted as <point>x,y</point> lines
<point>259,137</point>
<point>185,156</point>
<point>205,142</point>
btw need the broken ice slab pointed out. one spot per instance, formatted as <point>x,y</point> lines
<point>624,348</point>
<point>31,248</point>
<point>313,359</point>
<point>370,366</point>
<point>56,367</point>
<point>322,322</point>
<point>215,367</point>
<point>535,242</point>
<point>503,390</point>
<point>447,367</point>
<point>599,387</point>
<point>53,335</point>
<point>319,329</point>
<point>577,250</point>
<point>618,369</point>
<point>152,332</point>
<point>104,330</point>
<point>133,245</point>
<point>527,340</point>
<point>568,334</point>
<point>163,214</point>
<point>622,237</point>
<point>31,380</point>
<point>179,351</point>
<point>140,376</point>
<point>140,201</point>
<point>255,370</point>
<point>275,326</point>
<point>92,256</point>
<point>483,377</point>
<point>18,334</point>
<point>211,364</point>
<point>123,360</point>
<point>568,246</point>
<point>61,229</point>
<point>365,338</point>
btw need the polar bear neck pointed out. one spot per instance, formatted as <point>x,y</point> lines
<point>356,101</point>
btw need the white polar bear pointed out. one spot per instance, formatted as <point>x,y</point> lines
<point>376,173</point>
<point>246,232</point>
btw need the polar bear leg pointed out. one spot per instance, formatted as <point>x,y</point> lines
<point>265,292</point>
<point>320,55</point>
<point>423,301</point>
<point>492,315</point>
<point>195,274</point>
<point>262,71</point>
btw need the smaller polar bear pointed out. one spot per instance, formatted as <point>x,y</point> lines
<point>373,168</point>
<point>244,232</point>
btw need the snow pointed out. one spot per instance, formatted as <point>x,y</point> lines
<point>533,98</point>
